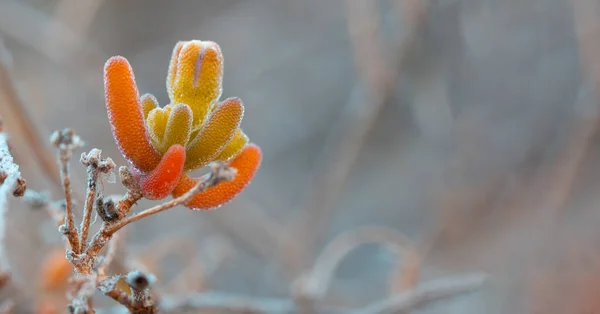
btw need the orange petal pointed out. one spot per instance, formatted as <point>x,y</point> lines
<point>160,182</point>
<point>198,76</point>
<point>216,134</point>
<point>126,116</point>
<point>246,163</point>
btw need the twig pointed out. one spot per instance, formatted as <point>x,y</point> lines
<point>7,307</point>
<point>81,290</point>
<point>11,182</point>
<point>219,173</point>
<point>226,302</point>
<point>381,71</point>
<point>314,285</point>
<point>111,251</point>
<point>142,302</point>
<point>96,165</point>
<point>66,141</point>
<point>426,293</point>
<point>120,296</point>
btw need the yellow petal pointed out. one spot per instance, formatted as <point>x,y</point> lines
<point>157,123</point>
<point>198,72</point>
<point>215,135</point>
<point>171,75</point>
<point>234,147</point>
<point>178,127</point>
<point>149,102</point>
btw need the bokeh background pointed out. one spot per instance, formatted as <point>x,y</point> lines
<point>467,125</point>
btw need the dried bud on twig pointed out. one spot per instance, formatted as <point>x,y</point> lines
<point>107,210</point>
<point>66,139</point>
<point>138,280</point>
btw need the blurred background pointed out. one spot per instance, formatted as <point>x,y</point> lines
<point>468,126</point>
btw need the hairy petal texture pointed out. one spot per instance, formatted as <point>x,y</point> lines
<point>157,125</point>
<point>246,163</point>
<point>215,135</point>
<point>198,76</point>
<point>234,147</point>
<point>160,182</point>
<point>126,116</point>
<point>149,102</point>
<point>172,74</point>
<point>178,127</point>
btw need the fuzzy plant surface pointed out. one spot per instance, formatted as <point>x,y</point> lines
<point>163,144</point>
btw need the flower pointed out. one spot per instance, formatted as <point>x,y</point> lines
<point>162,145</point>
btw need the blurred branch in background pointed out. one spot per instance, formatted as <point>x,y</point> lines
<point>13,108</point>
<point>76,16</point>
<point>380,69</point>
<point>31,27</point>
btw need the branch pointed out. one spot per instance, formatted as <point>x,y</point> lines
<point>11,182</point>
<point>66,141</point>
<point>95,166</point>
<point>429,292</point>
<point>219,173</point>
<point>313,286</point>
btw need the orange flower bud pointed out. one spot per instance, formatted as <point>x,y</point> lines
<point>160,182</point>
<point>246,163</point>
<point>126,115</point>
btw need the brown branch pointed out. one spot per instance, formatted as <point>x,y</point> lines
<point>96,165</point>
<point>111,251</point>
<point>219,173</point>
<point>141,301</point>
<point>120,296</point>
<point>66,141</point>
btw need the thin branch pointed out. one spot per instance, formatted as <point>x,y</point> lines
<point>66,141</point>
<point>226,302</point>
<point>380,70</point>
<point>315,284</point>
<point>219,173</point>
<point>95,166</point>
<point>11,182</point>
<point>120,296</point>
<point>142,302</point>
<point>428,292</point>
<point>111,251</point>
